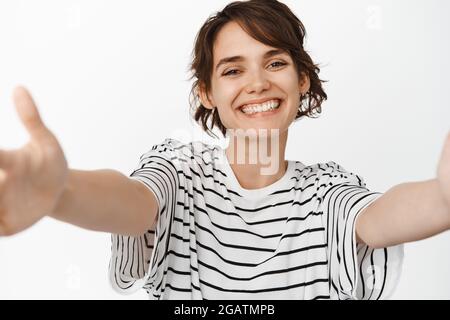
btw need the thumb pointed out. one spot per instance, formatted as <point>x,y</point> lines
<point>444,161</point>
<point>28,113</point>
<point>5,161</point>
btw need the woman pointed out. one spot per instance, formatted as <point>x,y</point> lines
<point>200,222</point>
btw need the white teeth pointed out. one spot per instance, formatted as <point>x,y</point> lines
<point>254,108</point>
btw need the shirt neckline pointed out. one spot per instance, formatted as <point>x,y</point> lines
<point>253,193</point>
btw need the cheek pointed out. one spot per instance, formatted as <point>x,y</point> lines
<point>293,93</point>
<point>227,93</point>
<point>289,81</point>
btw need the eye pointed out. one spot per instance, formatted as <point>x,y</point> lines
<point>280,63</point>
<point>234,71</point>
<point>228,73</point>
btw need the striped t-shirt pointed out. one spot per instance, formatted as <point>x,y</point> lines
<point>213,239</point>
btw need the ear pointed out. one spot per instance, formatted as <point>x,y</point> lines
<point>304,83</point>
<point>204,99</point>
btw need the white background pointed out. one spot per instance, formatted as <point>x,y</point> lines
<point>111,80</point>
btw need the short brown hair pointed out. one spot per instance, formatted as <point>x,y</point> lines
<point>270,22</point>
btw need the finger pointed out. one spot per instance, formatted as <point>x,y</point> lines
<point>446,148</point>
<point>444,160</point>
<point>5,160</point>
<point>447,140</point>
<point>2,176</point>
<point>446,151</point>
<point>28,113</point>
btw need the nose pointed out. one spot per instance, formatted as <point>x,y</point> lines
<point>257,83</point>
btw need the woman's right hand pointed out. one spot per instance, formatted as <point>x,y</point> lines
<point>33,177</point>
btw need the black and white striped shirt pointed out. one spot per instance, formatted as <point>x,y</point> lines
<point>293,239</point>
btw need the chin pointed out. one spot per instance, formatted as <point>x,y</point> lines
<point>255,130</point>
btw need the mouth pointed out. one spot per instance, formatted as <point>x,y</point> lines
<point>267,108</point>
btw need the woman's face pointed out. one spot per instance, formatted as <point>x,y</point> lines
<point>257,75</point>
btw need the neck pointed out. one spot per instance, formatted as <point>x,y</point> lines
<point>258,160</point>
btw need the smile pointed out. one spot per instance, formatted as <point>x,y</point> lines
<point>267,108</point>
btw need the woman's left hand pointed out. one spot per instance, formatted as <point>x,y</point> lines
<point>443,172</point>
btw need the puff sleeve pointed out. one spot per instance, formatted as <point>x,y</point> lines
<point>139,261</point>
<point>356,271</point>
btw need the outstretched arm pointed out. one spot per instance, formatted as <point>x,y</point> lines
<point>409,211</point>
<point>35,181</point>
<point>106,200</point>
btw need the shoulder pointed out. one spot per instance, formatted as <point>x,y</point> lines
<point>332,173</point>
<point>177,151</point>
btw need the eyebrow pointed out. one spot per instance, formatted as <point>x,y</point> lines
<point>266,55</point>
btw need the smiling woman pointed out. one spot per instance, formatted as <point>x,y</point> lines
<point>239,35</point>
<point>229,229</point>
<point>199,221</point>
